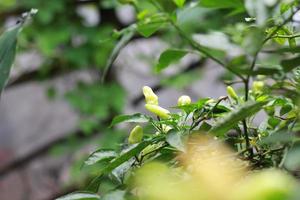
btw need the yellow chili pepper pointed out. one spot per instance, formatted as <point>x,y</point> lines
<point>231,93</point>
<point>136,135</point>
<point>150,97</point>
<point>157,110</point>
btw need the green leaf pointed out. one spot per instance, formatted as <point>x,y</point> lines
<point>179,3</point>
<point>290,64</point>
<point>150,25</point>
<point>292,42</point>
<point>285,109</point>
<point>120,172</point>
<point>231,119</point>
<point>168,57</point>
<point>80,196</point>
<point>260,69</point>
<point>278,137</point>
<point>295,49</point>
<point>100,155</point>
<point>253,39</point>
<point>292,161</point>
<point>136,149</point>
<point>222,3</point>
<point>128,33</point>
<point>284,7</point>
<point>136,118</point>
<point>176,139</point>
<point>266,70</point>
<point>115,195</point>
<point>8,45</point>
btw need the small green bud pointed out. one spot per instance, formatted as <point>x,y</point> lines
<point>157,110</point>
<point>136,135</point>
<point>184,100</point>
<point>150,97</point>
<point>231,93</point>
<point>258,86</point>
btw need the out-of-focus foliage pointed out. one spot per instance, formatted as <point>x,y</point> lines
<point>8,45</point>
<point>254,41</point>
<point>67,39</point>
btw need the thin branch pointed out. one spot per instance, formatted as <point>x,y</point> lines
<point>286,36</point>
<point>202,49</point>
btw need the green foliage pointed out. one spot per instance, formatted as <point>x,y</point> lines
<point>95,102</point>
<point>241,113</point>
<point>222,4</point>
<point>227,119</point>
<point>8,45</point>
<point>80,196</point>
<point>136,118</point>
<point>169,56</point>
<point>265,69</point>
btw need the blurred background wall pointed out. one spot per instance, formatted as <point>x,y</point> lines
<point>55,111</point>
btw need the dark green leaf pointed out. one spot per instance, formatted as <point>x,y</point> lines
<point>136,118</point>
<point>273,122</point>
<point>241,66</point>
<point>292,42</point>
<point>168,57</point>
<point>176,139</point>
<point>204,127</point>
<point>150,25</point>
<point>266,70</point>
<point>231,119</point>
<point>285,109</point>
<point>290,64</point>
<point>8,44</point>
<point>126,156</point>
<point>222,3</point>
<point>80,196</point>
<point>295,49</point>
<point>100,155</point>
<point>94,185</point>
<point>127,35</point>
<point>120,172</point>
<point>179,3</point>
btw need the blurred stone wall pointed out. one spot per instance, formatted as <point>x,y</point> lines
<point>29,120</point>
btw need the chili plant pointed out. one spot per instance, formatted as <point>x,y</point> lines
<point>260,124</point>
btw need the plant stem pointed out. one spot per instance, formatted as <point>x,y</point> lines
<point>202,49</point>
<point>247,138</point>
<point>287,36</point>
